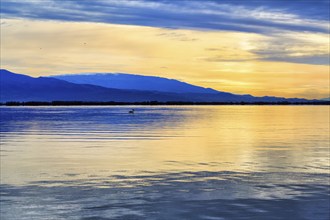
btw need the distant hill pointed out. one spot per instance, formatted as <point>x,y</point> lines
<point>18,87</point>
<point>136,82</point>
<point>325,99</point>
<point>187,91</point>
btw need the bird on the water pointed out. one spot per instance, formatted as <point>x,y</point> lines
<point>131,111</point>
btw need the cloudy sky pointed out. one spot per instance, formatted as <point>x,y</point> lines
<point>259,47</point>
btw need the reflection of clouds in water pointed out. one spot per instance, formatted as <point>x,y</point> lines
<point>89,139</point>
<point>165,162</point>
<point>185,195</point>
<point>89,119</point>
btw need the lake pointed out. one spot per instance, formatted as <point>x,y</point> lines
<point>165,162</point>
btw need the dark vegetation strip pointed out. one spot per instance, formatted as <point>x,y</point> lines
<point>85,103</point>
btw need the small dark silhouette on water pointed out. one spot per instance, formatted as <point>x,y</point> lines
<point>131,111</point>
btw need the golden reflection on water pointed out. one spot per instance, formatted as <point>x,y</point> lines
<point>83,142</point>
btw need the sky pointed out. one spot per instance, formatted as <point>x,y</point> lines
<point>257,47</point>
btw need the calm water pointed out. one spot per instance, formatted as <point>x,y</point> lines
<point>204,162</point>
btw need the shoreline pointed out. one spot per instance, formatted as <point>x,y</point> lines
<point>152,103</point>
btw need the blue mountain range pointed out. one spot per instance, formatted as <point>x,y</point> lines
<point>325,99</point>
<point>136,82</point>
<point>114,87</point>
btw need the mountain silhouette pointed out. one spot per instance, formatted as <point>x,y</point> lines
<point>18,87</point>
<point>325,99</point>
<point>136,82</point>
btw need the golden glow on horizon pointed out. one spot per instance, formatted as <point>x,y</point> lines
<point>225,61</point>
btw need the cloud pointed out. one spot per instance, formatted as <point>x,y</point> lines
<point>291,47</point>
<point>177,36</point>
<point>315,60</point>
<point>323,59</point>
<point>221,59</point>
<point>246,16</point>
<point>305,48</point>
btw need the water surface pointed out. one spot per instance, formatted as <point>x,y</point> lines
<point>189,162</point>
